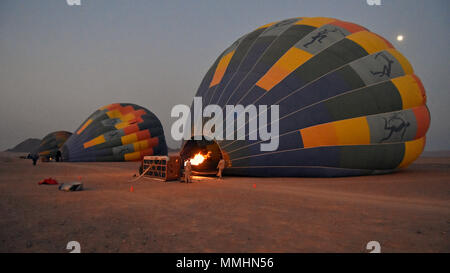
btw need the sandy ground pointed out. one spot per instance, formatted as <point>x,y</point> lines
<point>408,211</point>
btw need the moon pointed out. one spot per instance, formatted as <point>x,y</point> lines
<point>400,38</point>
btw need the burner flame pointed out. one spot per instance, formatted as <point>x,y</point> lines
<point>199,158</point>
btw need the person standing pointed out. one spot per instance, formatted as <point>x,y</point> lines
<point>58,156</point>
<point>220,166</point>
<point>34,157</point>
<point>187,172</point>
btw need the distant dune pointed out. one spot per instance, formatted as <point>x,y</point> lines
<point>26,146</point>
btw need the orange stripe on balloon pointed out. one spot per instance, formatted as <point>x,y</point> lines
<point>385,40</point>
<point>125,110</point>
<point>140,112</point>
<point>267,25</point>
<point>413,149</point>
<point>127,139</point>
<point>409,90</point>
<point>421,87</point>
<point>144,134</point>
<point>136,156</point>
<point>96,141</point>
<point>352,28</point>
<point>422,119</point>
<point>315,21</point>
<point>319,135</point>
<point>354,131</point>
<point>113,106</point>
<point>109,106</point>
<point>147,152</point>
<point>131,129</point>
<point>370,41</point>
<point>140,145</point>
<point>221,68</point>
<point>135,120</point>
<point>154,141</point>
<point>84,126</point>
<point>289,62</point>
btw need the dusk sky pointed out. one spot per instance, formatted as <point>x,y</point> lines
<point>59,63</point>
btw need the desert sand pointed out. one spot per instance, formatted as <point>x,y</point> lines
<point>408,211</point>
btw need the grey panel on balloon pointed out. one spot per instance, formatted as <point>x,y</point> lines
<point>378,67</point>
<point>233,46</point>
<point>280,27</point>
<point>125,149</point>
<point>113,134</point>
<point>397,126</point>
<point>376,156</point>
<point>321,38</point>
<point>111,122</point>
<point>98,114</point>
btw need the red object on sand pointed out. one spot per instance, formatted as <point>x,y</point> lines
<point>49,181</point>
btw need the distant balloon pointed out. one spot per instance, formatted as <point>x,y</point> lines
<point>116,132</point>
<point>51,143</point>
<point>350,103</point>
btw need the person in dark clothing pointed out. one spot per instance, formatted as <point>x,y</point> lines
<point>58,156</point>
<point>34,157</point>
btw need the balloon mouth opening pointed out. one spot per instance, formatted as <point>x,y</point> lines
<point>45,158</point>
<point>203,154</point>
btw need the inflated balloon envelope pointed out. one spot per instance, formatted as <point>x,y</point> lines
<point>51,143</point>
<point>116,132</point>
<point>349,102</point>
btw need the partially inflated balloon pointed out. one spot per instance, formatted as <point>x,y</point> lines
<point>51,143</point>
<point>349,102</point>
<point>116,132</point>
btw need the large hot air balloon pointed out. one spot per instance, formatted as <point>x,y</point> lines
<point>116,132</point>
<point>50,144</point>
<point>349,102</point>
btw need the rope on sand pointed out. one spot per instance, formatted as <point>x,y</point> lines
<point>139,177</point>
